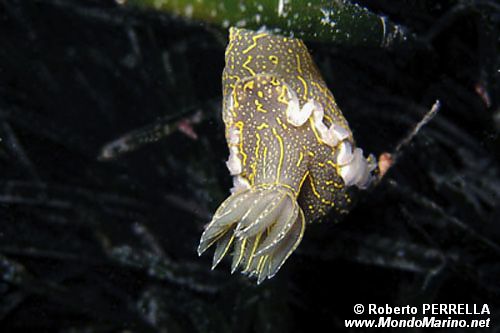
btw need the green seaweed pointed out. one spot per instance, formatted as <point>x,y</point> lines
<point>341,21</point>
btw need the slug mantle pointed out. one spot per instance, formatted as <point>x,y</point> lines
<point>292,154</point>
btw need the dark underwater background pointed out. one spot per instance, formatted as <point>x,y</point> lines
<point>93,245</point>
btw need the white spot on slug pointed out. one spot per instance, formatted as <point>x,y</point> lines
<point>318,115</point>
<point>233,162</point>
<point>227,115</point>
<point>294,114</point>
<point>344,155</point>
<point>239,184</point>
<point>357,171</point>
<point>327,135</point>
<point>233,135</point>
<point>339,132</point>
<point>298,116</point>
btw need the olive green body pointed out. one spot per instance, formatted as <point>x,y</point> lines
<point>259,66</point>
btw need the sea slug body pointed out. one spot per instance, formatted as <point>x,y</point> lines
<point>291,153</point>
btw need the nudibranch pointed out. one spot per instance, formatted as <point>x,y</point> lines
<point>292,153</point>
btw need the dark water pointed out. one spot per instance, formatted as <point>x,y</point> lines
<point>109,246</point>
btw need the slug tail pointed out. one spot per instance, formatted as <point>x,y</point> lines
<point>262,225</point>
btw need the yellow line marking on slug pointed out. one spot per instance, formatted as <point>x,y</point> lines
<point>262,126</point>
<point>256,159</point>
<point>304,83</point>
<point>328,118</point>
<point>264,162</point>
<point>254,248</point>
<point>229,48</point>
<point>313,127</point>
<point>326,93</point>
<point>295,193</point>
<point>245,66</point>
<point>254,38</point>
<point>239,125</point>
<point>301,157</point>
<point>233,77</point>
<point>282,155</point>
<point>283,97</point>
<point>336,166</point>
<point>248,85</point>
<point>299,69</point>
<point>281,123</point>
<point>227,246</point>
<point>262,261</point>
<point>316,193</point>
<point>259,107</point>
<point>242,251</point>
<point>303,180</point>
<point>236,104</point>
